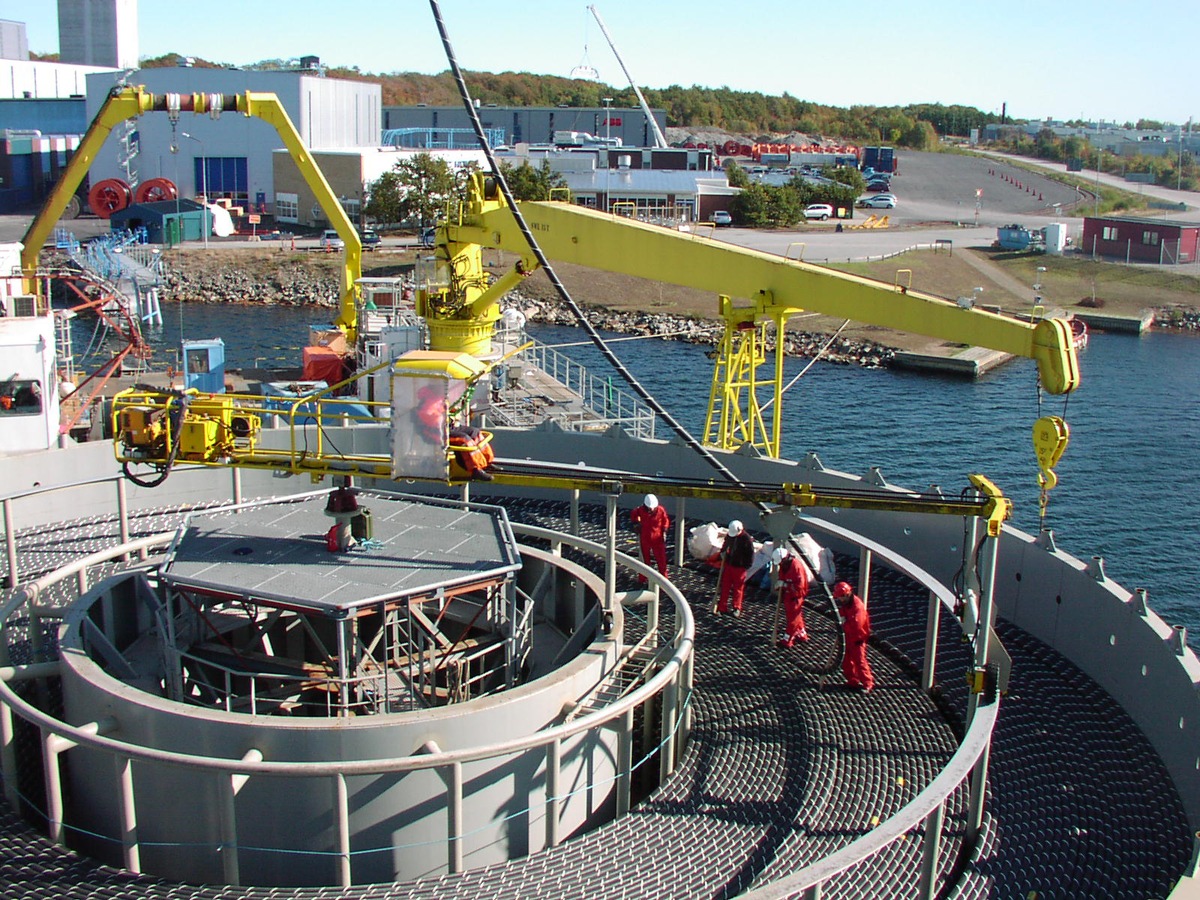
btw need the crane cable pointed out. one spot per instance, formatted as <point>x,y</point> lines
<point>812,362</point>
<point>559,287</point>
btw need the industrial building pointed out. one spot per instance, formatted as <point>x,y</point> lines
<point>535,124</point>
<point>1134,239</point>
<point>231,158</point>
<point>42,113</point>
<point>98,33</point>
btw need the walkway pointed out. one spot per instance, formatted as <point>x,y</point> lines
<point>784,768</point>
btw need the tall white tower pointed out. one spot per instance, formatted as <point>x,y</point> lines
<point>98,33</point>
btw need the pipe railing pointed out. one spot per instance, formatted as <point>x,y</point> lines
<point>673,681</point>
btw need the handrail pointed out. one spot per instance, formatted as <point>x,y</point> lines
<point>947,781</point>
<point>925,804</point>
<point>683,642</point>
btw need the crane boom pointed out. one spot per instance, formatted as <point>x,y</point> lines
<point>772,283</point>
<point>132,102</point>
<point>660,140</point>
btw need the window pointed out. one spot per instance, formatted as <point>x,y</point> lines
<point>20,398</point>
<point>1109,233</point>
<point>1150,238</point>
<point>197,361</point>
<point>287,207</point>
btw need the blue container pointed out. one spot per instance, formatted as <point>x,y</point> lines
<point>204,365</point>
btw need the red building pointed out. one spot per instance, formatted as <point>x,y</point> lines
<point>1141,240</point>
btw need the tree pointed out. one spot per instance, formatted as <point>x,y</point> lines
<point>846,175</point>
<point>420,189</point>
<point>736,174</point>
<point>528,183</point>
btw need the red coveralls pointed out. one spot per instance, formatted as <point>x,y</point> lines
<point>793,583</point>
<point>653,525</point>
<point>857,625</point>
<point>738,553</point>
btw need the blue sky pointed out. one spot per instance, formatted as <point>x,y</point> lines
<point>1100,59</point>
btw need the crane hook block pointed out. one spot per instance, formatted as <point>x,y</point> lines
<point>1050,437</point>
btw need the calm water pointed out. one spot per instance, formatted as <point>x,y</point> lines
<point>1129,484</point>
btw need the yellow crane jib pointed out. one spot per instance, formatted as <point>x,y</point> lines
<point>776,286</point>
<point>130,102</point>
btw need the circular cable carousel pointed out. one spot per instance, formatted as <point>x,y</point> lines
<point>394,778</point>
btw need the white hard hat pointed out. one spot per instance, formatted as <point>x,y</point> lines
<point>650,501</point>
<point>735,527</point>
<point>778,555</point>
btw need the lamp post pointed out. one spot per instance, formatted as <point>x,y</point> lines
<point>203,182</point>
<point>607,101</point>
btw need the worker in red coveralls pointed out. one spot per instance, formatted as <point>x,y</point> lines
<point>792,576</point>
<point>652,522</point>
<point>736,556</point>
<point>472,453</point>
<point>857,625</point>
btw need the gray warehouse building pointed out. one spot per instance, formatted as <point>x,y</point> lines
<point>534,124</point>
<point>230,157</point>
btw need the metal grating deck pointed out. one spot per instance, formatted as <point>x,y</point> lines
<point>780,772</point>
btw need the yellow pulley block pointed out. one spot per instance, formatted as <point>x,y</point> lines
<point>1050,438</point>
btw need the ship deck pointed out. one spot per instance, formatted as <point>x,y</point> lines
<point>786,765</point>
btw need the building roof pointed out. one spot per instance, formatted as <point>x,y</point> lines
<point>1145,220</point>
<point>640,181</point>
<point>160,208</point>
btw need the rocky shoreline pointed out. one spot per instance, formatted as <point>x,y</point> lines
<point>1177,318</point>
<point>300,285</point>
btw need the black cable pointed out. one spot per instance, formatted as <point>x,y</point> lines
<point>559,287</point>
<point>165,470</point>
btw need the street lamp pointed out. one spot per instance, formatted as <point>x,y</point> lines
<point>607,152</point>
<point>203,182</point>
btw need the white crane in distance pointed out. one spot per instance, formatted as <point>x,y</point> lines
<point>659,139</point>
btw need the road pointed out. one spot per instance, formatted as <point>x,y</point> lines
<point>1189,200</point>
<point>936,202</point>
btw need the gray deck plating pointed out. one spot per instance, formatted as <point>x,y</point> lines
<point>780,771</point>
<point>275,552</point>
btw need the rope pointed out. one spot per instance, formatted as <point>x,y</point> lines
<point>559,287</point>
<point>812,362</point>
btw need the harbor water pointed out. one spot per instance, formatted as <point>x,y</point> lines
<point>1127,483</point>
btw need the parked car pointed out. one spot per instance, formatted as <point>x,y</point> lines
<point>879,201</point>
<point>722,217</point>
<point>820,211</point>
<point>879,184</point>
<point>370,239</point>
<point>331,241</point>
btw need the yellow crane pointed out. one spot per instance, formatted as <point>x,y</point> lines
<point>133,102</point>
<point>770,289</point>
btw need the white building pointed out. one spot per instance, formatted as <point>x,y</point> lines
<point>98,33</point>
<point>230,157</point>
<point>350,174</point>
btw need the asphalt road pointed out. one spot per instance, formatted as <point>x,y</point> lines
<point>936,195</point>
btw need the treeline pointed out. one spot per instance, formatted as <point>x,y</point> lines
<point>1173,169</point>
<point>916,126</point>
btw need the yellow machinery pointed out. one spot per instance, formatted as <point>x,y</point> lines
<point>460,306</point>
<point>132,102</point>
